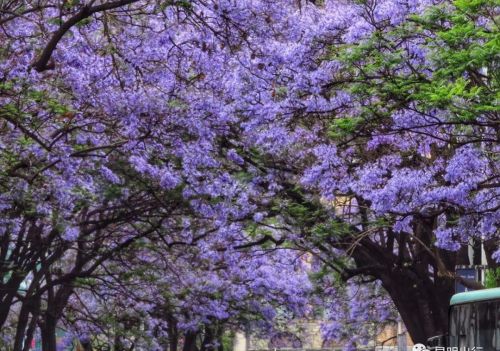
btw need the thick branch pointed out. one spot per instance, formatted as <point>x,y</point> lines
<point>468,283</point>
<point>41,64</point>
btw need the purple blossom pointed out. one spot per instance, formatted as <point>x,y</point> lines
<point>446,239</point>
<point>109,175</point>
<point>233,156</point>
<point>71,233</point>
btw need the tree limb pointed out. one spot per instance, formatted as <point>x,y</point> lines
<point>41,63</point>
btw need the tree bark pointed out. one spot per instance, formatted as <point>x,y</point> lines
<point>423,306</point>
<point>22,337</point>
<point>31,330</point>
<point>419,285</point>
<point>48,331</point>
<point>190,341</point>
<point>10,290</point>
<point>173,334</point>
<point>208,339</point>
<point>55,308</point>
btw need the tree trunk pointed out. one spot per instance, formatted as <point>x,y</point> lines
<point>31,330</point>
<point>208,339</point>
<point>423,307</point>
<point>9,291</point>
<point>173,334</point>
<point>56,303</point>
<point>48,331</point>
<point>23,337</point>
<point>22,324</point>
<point>419,286</point>
<point>220,334</point>
<point>190,341</point>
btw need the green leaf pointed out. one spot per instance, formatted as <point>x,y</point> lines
<point>56,21</point>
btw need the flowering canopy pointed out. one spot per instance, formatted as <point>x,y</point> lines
<point>364,132</point>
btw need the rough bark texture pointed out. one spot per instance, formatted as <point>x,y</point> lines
<point>419,280</point>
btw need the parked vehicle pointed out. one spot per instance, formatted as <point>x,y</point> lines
<point>474,322</point>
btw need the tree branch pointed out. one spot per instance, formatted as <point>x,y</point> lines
<point>41,64</point>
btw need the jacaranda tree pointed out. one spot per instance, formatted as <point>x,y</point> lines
<point>362,132</point>
<point>382,136</point>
